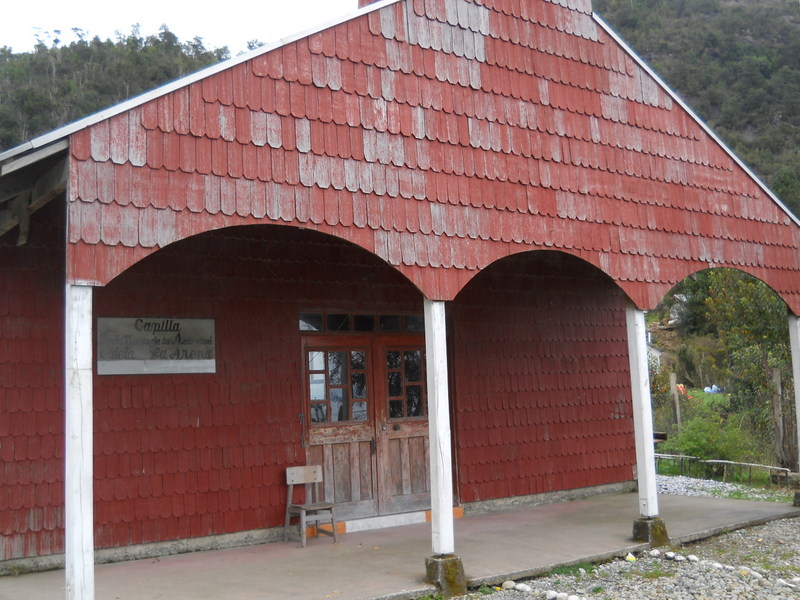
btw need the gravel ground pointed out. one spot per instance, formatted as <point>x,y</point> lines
<point>757,563</point>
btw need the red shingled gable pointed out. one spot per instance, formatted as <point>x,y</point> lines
<point>440,135</point>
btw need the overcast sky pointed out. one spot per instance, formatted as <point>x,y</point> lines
<point>219,24</point>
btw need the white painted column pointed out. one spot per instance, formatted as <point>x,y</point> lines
<point>78,476</point>
<point>642,411</point>
<point>794,344</point>
<point>441,467</point>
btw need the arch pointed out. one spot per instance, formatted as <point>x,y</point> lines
<point>541,379</point>
<point>549,254</point>
<point>726,327</point>
<point>760,275</point>
<point>101,264</point>
<point>237,428</point>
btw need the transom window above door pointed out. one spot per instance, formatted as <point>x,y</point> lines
<point>338,322</point>
<point>337,385</point>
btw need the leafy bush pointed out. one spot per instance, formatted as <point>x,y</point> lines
<point>711,433</point>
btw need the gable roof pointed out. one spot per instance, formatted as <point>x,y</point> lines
<point>440,135</point>
<point>61,133</point>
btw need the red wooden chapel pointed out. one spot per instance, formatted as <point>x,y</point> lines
<point>432,224</point>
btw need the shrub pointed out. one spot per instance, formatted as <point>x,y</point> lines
<point>710,433</point>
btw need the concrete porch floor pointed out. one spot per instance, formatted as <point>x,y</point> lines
<point>389,563</point>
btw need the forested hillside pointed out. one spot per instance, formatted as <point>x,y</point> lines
<point>55,85</point>
<point>737,64</point>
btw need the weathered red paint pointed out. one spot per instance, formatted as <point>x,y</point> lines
<point>541,382</point>
<point>31,389</point>
<point>196,452</point>
<point>449,139</point>
<point>520,104</point>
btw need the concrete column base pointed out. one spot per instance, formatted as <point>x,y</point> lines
<point>652,530</point>
<point>447,572</point>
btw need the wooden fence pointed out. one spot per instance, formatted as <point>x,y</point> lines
<point>725,470</point>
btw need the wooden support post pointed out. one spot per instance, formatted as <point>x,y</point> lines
<point>794,343</point>
<point>78,476</point>
<point>777,416</point>
<point>441,467</point>
<point>642,412</point>
<point>676,398</point>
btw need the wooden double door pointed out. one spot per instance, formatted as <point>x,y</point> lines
<point>366,421</point>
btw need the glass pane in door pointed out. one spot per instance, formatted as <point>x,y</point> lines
<point>337,385</point>
<point>405,386</point>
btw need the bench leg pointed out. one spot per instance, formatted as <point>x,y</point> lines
<point>303,528</point>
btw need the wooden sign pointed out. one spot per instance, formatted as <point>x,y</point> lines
<point>151,345</point>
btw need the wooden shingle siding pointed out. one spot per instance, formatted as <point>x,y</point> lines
<point>31,390</point>
<point>182,456</point>
<point>441,135</point>
<point>542,384</point>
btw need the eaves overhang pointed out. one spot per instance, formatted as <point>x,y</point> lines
<point>676,98</point>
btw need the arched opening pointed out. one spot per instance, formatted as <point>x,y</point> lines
<point>541,386</point>
<point>721,370</point>
<point>308,329</point>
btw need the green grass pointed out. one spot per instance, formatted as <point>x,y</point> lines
<point>654,573</point>
<point>574,570</point>
<point>755,494</point>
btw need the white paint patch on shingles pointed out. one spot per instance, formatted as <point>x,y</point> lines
<point>461,35</point>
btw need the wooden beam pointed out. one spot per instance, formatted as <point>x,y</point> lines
<point>78,474</point>
<point>21,208</point>
<point>31,158</point>
<point>441,466</point>
<point>12,186</point>
<point>20,197</point>
<point>642,412</point>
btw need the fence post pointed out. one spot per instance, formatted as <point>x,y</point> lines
<point>676,398</point>
<point>777,415</point>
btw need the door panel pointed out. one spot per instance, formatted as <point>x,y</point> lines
<point>403,482</point>
<point>340,432</point>
<point>366,422</point>
<point>348,476</point>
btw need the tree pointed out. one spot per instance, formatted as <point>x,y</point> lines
<point>751,323</point>
<point>55,84</point>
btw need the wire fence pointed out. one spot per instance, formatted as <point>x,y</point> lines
<point>722,470</point>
